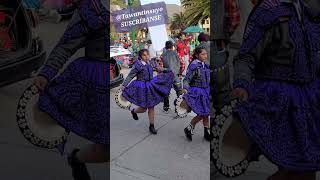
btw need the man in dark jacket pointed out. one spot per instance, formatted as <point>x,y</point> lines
<point>204,40</point>
<point>171,62</point>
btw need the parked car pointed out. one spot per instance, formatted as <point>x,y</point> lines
<point>116,77</point>
<point>121,55</point>
<point>119,51</point>
<point>21,50</point>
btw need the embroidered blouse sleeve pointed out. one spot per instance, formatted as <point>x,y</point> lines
<point>189,76</point>
<point>250,53</point>
<point>65,48</point>
<point>133,73</point>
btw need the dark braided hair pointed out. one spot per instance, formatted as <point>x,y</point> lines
<point>197,51</point>
<point>141,52</point>
<point>181,34</point>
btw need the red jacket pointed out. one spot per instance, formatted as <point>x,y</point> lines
<point>182,48</point>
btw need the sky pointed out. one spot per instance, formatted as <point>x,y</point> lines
<point>168,1</point>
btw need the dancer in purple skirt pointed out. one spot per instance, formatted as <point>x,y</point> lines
<point>277,81</point>
<point>146,91</point>
<point>78,99</point>
<point>197,91</point>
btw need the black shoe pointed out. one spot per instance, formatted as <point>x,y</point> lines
<point>79,170</point>
<point>166,109</point>
<point>188,131</point>
<point>175,105</point>
<point>134,115</point>
<point>175,102</point>
<point>207,135</point>
<point>152,129</point>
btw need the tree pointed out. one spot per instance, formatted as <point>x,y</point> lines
<point>178,22</point>
<point>122,3</point>
<point>196,11</point>
<point>119,3</point>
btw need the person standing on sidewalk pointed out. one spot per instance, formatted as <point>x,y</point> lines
<point>146,91</point>
<point>183,50</point>
<point>171,62</point>
<point>79,97</point>
<point>197,92</point>
<point>204,42</point>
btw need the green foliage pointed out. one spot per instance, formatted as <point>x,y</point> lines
<point>178,22</point>
<point>121,3</point>
<point>196,11</point>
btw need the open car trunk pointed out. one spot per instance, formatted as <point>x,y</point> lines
<point>114,69</point>
<point>116,78</point>
<point>15,32</point>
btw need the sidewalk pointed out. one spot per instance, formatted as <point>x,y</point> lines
<point>137,155</point>
<point>20,160</point>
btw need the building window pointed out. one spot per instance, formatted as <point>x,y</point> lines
<point>207,21</point>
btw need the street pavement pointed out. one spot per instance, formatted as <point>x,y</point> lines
<point>19,159</point>
<point>138,155</point>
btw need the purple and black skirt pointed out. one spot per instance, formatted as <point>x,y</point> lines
<point>79,99</point>
<point>148,94</point>
<point>198,99</point>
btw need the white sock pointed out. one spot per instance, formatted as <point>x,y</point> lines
<point>191,128</point>
<point>131,108</point>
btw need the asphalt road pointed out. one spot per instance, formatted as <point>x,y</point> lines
<point>137,155</point>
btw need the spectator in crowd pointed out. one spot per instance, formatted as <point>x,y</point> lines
<point>171,62</point>
<point>204,42</point>
<point>182,49</point>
